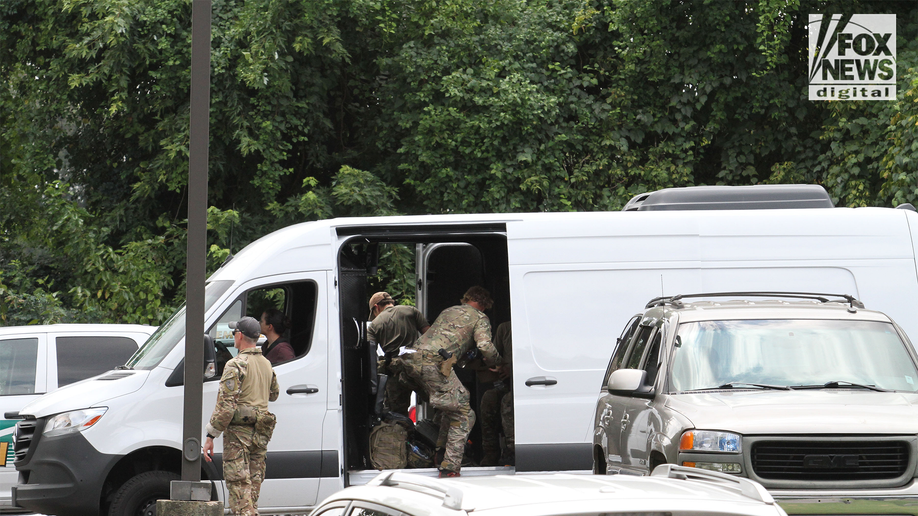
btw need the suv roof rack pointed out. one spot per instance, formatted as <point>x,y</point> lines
<point>676,301</point>
<point>753,197</point>
<point>743,485</point>
<point>452,496</point>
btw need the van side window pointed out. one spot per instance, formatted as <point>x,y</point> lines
<point>79,358</point>
<point>17,373</point>
<point>297,300</point>
<point>621,347</point>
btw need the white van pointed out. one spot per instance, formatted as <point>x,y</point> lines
<point>568,282</point>
<point>40,358</point>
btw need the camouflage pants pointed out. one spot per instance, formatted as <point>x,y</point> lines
<point>451,399</point>
<point>398,388</point>
<point>496,416</point>
<point>243,468</point>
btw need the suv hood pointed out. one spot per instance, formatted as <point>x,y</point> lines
<point>87,393</point>
<point>802,411</point>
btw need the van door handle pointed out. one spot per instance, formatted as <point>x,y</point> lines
<point>303,389</point>
<point>541,380</point>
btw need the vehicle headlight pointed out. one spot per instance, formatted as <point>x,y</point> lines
<point>710,441</point>
<point>71,422</point>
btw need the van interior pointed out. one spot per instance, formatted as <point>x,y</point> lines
<point>447,264</point>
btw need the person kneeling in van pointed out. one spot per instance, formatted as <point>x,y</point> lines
<point>453,334</point>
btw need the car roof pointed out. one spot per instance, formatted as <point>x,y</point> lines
<point>770,309</point>
<point>78,328</point>
<point>670,488</point>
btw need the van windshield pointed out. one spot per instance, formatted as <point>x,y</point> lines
<point>791,353</point>
<point>168,335</point>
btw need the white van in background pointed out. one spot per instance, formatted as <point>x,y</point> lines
<point>568,282</point>
<point>39,359</point>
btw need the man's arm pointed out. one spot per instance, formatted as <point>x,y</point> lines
<point>483,340</point>
<point>227,397</point>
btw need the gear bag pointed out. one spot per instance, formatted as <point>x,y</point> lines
<point>387,446</point>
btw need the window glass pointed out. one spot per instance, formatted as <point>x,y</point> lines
<point>296,300</point>
<point>652,362</point>
<point>79,358</point>
<point>637,349</point>
<point>18,358</point>
<point>621,346</point>
<point>794,353</point>
<point>331,511</point>
<point>168,335</point>
<point>374,511</point>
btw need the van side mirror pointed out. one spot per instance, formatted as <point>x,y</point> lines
<point>629,382</point>
<point>210,357</point>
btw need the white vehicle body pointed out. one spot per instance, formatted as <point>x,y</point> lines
<point>568,282</point>
<point>38,359</point>
<point>669,490</point>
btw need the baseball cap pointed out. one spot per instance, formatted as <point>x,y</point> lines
<point>248,326</point>
<point>377,298</point>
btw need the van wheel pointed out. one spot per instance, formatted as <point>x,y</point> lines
<point>137,497</point>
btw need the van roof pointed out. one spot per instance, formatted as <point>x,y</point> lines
<point>874,231</point>
<point>754,197</point>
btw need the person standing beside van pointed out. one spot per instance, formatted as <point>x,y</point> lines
<point>393,327</point>
<point>247,385</point>
<point>456,330</point>
<point>274,324</point>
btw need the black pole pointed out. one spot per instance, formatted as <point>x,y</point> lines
<point>199,133</point>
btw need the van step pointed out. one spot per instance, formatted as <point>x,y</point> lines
<point>361,477</point>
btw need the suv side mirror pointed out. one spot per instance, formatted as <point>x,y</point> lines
<point>629,382</point>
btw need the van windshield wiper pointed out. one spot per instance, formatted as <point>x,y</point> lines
<point>841,384</point>
<point>742,385</point>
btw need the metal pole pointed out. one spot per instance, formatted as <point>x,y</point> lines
<point>199,134</point>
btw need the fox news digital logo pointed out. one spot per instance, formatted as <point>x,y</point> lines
<point>852,57</point>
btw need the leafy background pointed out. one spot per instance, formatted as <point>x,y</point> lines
<point>328,108</point>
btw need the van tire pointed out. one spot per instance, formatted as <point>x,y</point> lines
<point>137,497</point>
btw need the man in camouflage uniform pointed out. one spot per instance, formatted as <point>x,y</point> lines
<point>496,405</point>
<point>455,331</point>
<point>247,384</point>
<point>394,327</point>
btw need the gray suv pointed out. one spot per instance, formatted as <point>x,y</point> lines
<point>810,395</point>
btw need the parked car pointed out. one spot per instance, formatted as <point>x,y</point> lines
<point>671,490</point>
<point>39,359</point>
<point>812,396</point>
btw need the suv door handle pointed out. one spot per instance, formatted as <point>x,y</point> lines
<point>303,389</point>
<point>541,380</point>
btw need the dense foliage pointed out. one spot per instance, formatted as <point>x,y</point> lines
<point>323,108</point>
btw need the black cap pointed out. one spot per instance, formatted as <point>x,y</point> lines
<point>248,326</point>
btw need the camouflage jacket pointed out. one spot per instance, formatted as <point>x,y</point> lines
<point>248,381</point>
<point>456,330</point>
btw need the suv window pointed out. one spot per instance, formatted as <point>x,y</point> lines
<point>637,349</point>
<point>796,353</point>
<point>621,346</point>
<point>652,362</point>
<point>81,357</point>
<point>18,358</point>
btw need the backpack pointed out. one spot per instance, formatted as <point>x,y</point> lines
<point>387,446</point>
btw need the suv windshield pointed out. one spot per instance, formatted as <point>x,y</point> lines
<point>793,353</point>
<point>172,331</point>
